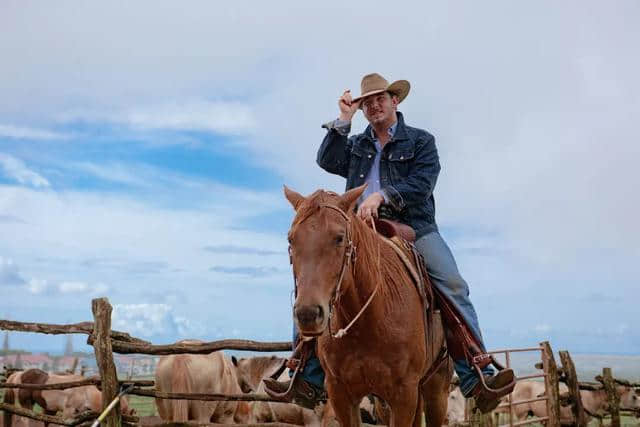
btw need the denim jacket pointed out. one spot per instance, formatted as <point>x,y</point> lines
<point>409,169</point>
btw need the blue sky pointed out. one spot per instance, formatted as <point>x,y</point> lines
<point>143,149</point>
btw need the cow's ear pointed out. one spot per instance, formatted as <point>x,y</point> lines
<point>348,200</point>
<point>234,361</point>
<point>293,197</point>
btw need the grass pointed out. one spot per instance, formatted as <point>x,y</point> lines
<point>144,406</point>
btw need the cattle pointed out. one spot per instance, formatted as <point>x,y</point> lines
<point>250,373</point>
<point>456,405</point>
<point>593,401</point>
<point>70,402</point>
<point>194,373</point>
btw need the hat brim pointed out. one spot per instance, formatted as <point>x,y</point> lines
<point>400,88</point>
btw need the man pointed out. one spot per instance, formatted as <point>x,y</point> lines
<point>400,165</point>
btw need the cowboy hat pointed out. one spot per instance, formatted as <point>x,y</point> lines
<point>374,83</point>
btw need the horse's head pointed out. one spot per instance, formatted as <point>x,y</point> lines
<point>321,250</point>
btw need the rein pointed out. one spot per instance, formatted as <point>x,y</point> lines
<point>349,258</point>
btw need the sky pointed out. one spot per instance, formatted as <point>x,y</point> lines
<point>144,146</point>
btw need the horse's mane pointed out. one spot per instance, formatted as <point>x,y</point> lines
<point>375,258</point>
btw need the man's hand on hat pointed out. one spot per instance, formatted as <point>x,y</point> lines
<point>347,107</point>
<point>369,208</point>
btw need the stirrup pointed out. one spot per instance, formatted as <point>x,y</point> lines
<point>498,392</point>
<point>287,395</point>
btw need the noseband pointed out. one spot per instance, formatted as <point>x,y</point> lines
<point>348,258</point>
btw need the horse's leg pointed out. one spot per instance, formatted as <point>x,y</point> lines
<point>417,419</point>
<point>404,406</point>
<point>435,393</point>
<point>346,411</point>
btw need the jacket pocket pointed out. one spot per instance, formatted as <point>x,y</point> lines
<point>399,164</point>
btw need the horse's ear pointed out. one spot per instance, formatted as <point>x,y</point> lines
<point>234,361</point>
<point>349,199</point>
<point>294,198</point>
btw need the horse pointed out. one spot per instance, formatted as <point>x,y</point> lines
<point>348,279</point>
<point>199,373</point>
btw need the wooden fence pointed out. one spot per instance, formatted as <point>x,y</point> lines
<point>106,341</point>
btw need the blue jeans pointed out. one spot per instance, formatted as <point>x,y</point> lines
<point>444,274</point>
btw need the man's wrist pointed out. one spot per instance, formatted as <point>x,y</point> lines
<point>345,117</point>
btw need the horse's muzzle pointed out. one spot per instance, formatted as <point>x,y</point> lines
<point>309,317</point>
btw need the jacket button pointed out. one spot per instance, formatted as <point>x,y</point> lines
<point>401,157</point>
<point>361,175</point>
<point>369,156</point>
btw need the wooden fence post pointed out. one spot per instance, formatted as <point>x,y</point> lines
<point>104,357</point>
<point>612,396</point>
<point>551,384</point>
<point>569,370</point>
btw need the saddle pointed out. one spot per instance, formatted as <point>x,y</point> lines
<point>460,341</point>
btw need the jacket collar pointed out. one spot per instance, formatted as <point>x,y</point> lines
<point>400,133</point>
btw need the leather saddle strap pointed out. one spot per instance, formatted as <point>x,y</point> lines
<point>279,371</point>
<point>417,279</point>
<point>421,282</point>
<point>443,356</point>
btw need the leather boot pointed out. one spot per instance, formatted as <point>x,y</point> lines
<point>486,398</point>
<point>301,392</point>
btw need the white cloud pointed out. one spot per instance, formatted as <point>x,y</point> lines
<point>113,172</point>
<point>72,287</point>
<point>77,239</point>
<point>37,286</point>
<point>542,328</point>
<point>17,132</point>
<point>232,118</point>
<point>9,272</point>
<point>15,169</point>
<point>66,288</point>
<point>149,320</point>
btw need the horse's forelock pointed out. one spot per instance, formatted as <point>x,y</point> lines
<point>312,203</point>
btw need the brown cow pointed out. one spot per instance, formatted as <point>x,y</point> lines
<point>70,401</point>
<point>250,373</point>
<point>11,398</point>
<point>195,373</point>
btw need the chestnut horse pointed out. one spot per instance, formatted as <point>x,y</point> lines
<point>343,269</point>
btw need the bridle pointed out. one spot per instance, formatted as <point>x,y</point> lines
<point>350,256</point>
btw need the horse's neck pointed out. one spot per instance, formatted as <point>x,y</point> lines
<point>365,276</point>
<point>367,268</point>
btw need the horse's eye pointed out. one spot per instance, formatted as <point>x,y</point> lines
<point>339,239</point>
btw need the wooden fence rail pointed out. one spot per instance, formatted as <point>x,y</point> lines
<point>74,328</point>
<point>203,348</point>
<point>79,419</point>
<point>208,397</point>
<point>71,384</point>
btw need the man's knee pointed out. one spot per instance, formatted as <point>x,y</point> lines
<point>455,285</point>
